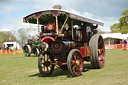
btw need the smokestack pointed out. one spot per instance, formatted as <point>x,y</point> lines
<point>57,7</point>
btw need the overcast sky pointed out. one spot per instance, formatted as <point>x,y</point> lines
<point>106,11</point>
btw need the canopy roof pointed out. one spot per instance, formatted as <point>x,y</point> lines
<point>38,15</point>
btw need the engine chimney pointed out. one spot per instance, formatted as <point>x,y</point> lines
<point>57,7</point>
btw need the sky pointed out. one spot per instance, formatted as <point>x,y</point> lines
<point>106,11</point>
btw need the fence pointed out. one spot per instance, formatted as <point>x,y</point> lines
<point>107,46</point>
<point>19,51</point>
<point>116,46</point>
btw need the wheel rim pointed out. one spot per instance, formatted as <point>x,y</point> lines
<point>101,51</point>
<point>26,51</point>
<point>76,63</point>
<point>45,64</point>
<point>36,52</point>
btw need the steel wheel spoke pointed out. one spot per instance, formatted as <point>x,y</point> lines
<point>47,57</point>
<point>73,62</point>
<point>44,63</point>
<point>99,43</point>
<point>77,68</point>
<point>101,57</point>
<point>47,68</point>
<point>45,60</point>
<point>74,69</point>
<point>74,56</point>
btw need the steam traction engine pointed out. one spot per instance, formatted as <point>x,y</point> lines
<point>71,39</point>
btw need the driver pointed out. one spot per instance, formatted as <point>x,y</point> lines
<point>43,30</point>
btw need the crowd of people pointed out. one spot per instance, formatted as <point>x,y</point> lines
<point>10,50</point>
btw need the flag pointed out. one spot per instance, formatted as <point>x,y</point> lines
<point>9,38</point>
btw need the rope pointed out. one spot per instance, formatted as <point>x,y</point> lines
<point>63,24</point>
<point>31,27</point>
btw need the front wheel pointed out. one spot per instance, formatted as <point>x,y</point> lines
<point>44,63</point>
<point>75,63</point>
<point>37,53</point>
<point>27,50</point>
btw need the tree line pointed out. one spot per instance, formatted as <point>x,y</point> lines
<point>122,25</point>
<point>20,36</point>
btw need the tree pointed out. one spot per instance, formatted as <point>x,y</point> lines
<point>122,26</point>
<point>10,34</point>
<point>23,34</point>
<point>100,31</point>
<point>4,37</point>
<point>115,28</point>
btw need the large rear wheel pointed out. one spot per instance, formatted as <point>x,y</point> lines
<point>44,63</point>
<point>75,63</point>
<point>97,57</point>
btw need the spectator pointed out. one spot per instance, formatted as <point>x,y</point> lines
<point>125,45</point>
<point>16,50</point>
<point>3,50</point>
<point>12,50</point>
<point>7,50</point>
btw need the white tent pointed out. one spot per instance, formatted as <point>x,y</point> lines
<point>115,35</point>
<point>109,38</point>
<point>14,44</point>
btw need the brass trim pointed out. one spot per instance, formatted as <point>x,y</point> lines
<point>72,30</point>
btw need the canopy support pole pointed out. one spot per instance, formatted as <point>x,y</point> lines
<point>72,30</point>
<point>38,27</point>
<point>57,25</point>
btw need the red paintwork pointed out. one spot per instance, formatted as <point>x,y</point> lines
<point>85,51</point>
<point>85,44</point>
<point>47,39</point>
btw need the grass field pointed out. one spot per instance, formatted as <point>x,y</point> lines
<point>20,70</point>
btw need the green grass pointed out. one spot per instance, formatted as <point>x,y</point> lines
<point>20,70</point>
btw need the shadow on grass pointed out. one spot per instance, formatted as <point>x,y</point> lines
<point>59,72</point>
<point>88,66</point>
<point>37,74</point>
